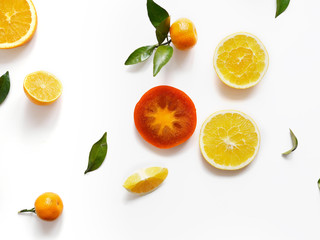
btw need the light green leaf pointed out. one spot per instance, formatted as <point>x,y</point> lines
<point>294,143</point>
<point>4,86</point>
<point>161,58</point>
<point>156,13</point>
<point>282,6</point>
<point>97,154</point>
<point>140,55</point>
<point>162,30</point>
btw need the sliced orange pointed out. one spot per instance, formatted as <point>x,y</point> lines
<point>145,180</point>
<point>42,88</point>
<point>229,140</point>
<point>241,60</point>
<point>18,22</point>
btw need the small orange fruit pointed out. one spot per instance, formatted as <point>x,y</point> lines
<point>48,206</point>
<point>183,34</point>
<point>42,88</point>
<point>18,22</point>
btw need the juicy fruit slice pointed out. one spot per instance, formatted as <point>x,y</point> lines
<point>146,180</point>
<point>42,88</point>
<point>165,117</point>
<point>183,34</point>
<point>229,140</point>
<point>241,60</point>
<point>18,22</point>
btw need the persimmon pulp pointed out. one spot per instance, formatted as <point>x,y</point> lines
<point>165,117</point>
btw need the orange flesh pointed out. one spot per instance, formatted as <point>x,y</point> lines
<point>15,20</point>
<point>165,117</point>
<point>241,60</point>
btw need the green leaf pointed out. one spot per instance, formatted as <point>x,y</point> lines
<point>161,58</point>
<point>282,6</point>
<point>97,154</point>
<point>319,183</point>
<point>162,30</point>
<point>140,55</point>
<point>156,13</point>
<point>4,86</point>
<point>294,143</point>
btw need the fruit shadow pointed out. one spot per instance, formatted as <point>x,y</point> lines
<point>233,93</point>
<point>9,55</point>
<point>177,62</point>
<point>51,228</point>
<point>39,120</point>
<point>223,173</point>
<point>159,151</point>
<point>133,197</point>
<point>44,228</point>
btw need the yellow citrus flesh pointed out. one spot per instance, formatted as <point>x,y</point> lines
<point>18,22</point>
<point>42,88</point>
<point>146,180</point>
<point>229,140</point>
<point>241,60</point>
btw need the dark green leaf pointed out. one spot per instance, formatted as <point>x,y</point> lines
<point>282,6</point>
<point>319,183</point>
<point>4,86</point>
<point>161,58</point>
<point>140,55</point>
<point>97,154</point>
<point>294,143</point>
<point>156,13</point>
<point>162,30</point>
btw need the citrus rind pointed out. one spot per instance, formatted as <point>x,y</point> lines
<point>35,99</point>
<point>212,161</point>
<point>220,75</point>
<point>28,36</point>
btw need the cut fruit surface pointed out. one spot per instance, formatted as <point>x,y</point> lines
<point>146,180</point>
<point>165,117</point>
<point>18,22</point>
<point>241,60</point>
<point>42,88</point>
<point>229,140</point>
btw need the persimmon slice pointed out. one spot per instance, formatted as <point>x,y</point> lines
<point>165,117</point>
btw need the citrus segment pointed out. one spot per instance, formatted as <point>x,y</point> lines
<point>42,88</point>
<point>146,180</point>
<point>229,140</point>
<point>18,22</point>
<point>165,117</point>
<point>241,60</point>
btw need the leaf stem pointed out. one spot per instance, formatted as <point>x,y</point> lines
<point>28,210</point>
<point>166,43</point>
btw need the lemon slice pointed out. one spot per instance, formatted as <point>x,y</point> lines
<point>42,88</point>
<point>229,140</point>
<point>241,60</point>
<point>146,180</point>
<point>18,22</point>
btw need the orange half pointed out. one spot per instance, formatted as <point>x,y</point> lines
<point>42,88</point>
<point>18,22</point>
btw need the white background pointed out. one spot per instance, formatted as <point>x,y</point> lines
<point>85,44</point>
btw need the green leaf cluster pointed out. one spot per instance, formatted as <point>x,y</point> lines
<point>97,154</point>
<point>4,86</point>
<point>281,6</point>
<point>160,19</point>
